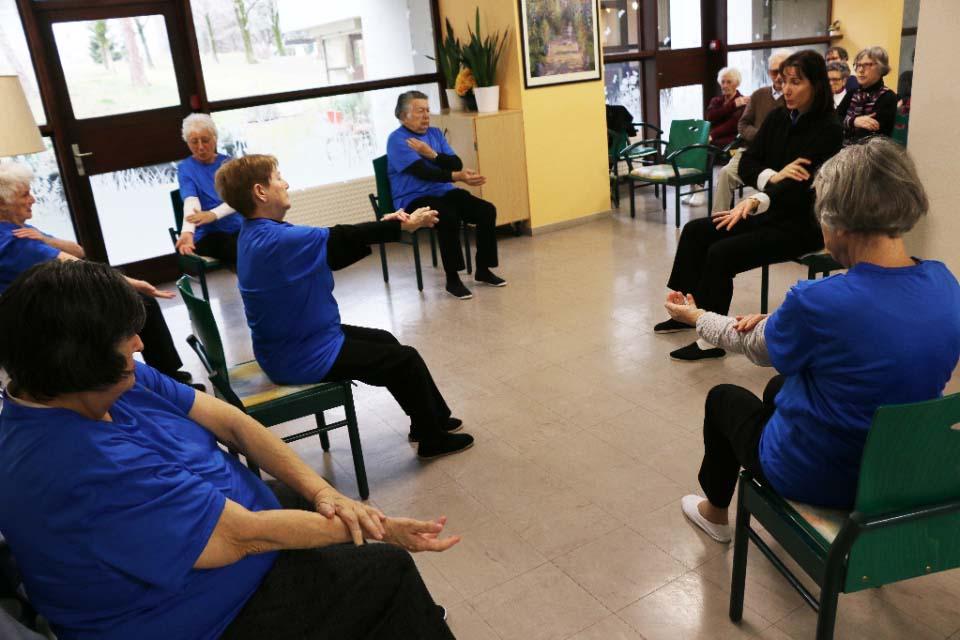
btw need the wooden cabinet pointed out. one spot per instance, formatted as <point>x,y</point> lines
<point>492,143</point>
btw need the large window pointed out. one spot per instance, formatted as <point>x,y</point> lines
<point>15,57</point>
<point>260,47</point>
<point>619,24</point>
<point>50,213</point>
<point>678,24</point>
<point>622,86</point>
<point>764,20</point>
<point>753,66</point>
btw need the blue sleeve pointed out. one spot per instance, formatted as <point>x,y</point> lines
<point>791,340</point>
<point>303,250</point>
<point>154,517</point>
<point>23,253</point>
<point>181,395</point>
<point>187,181</point>
<point>399,155</point>
<point>442,146</point>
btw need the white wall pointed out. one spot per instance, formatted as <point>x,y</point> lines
<point>934,135</point>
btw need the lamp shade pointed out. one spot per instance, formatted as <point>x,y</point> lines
<point>18,130</point>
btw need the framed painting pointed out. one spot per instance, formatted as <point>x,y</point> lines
<point>560,41</point>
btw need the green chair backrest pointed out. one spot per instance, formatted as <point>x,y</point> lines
<point>901,127</point>
<point>205,329</point>
<point>684,133</point>
<point>384,195</point>
<point>911,460</point>
<point>177,203</point>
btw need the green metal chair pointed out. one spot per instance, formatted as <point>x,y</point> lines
<point>904,523</point>
<point>687,159</point>
<point>620,150</point>
<point>248,388</point>
<point>901,128</point>
<point>196,266</point>
<point>816,263</point>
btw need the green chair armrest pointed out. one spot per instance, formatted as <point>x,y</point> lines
<point>712,152</point>
<point>733,144</point>
<point>647,125</point>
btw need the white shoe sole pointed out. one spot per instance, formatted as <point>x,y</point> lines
<point>719,532</point>
<point>460,297</point>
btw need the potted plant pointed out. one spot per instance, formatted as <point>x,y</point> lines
<point>481,56</point>
<point>449,59</point>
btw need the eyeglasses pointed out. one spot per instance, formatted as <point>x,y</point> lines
<point>864,65</point>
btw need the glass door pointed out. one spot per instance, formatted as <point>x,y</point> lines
<point>121,88</point>
<point>681,61</point>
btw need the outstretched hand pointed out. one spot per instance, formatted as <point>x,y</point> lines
<point>146,288</point>
<point>726,220</point>
<point>363,520</point>
<point>422,217</point>
<point>418,535</point>
<point>683,308</point>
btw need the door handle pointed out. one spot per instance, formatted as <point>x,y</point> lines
<point>78,157</point>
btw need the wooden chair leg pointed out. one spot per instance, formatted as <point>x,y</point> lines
<point>740,547</point>
<point>466,248</point>
<point>416,260</point>
<point>764,287</point>
<point>355,446</point>
<point>324,437</point>
<point>383,262</point>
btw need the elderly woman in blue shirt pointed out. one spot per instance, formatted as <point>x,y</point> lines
<point>210,226</point>
<point>885,332</point>
<point>128,520</point>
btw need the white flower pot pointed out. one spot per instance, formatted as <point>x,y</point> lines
<point>488,99</point>
<point>455,101</point>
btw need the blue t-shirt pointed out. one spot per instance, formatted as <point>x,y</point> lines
<point>19,254</point>
<point>106,520</point>
<point>287,291</point>
<point>405,187</point>
<point>196,181</point>
<point>847,345</point>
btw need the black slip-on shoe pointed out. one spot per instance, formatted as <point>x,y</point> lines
<point>452,426</point>
<point>490,278</point>
<point>670,326</point>
<point>444,445</point>
<point>692,352</point>
<point>459,290</point>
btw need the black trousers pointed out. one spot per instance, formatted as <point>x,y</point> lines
<point>707,259</point>
<point>377,358</point>
<point>222,246</point>
<point>456,206</point>
<point>340,592</point>
<point>733,421</point>
<point>158,349</point>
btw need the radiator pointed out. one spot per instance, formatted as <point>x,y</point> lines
<point>330,204</point>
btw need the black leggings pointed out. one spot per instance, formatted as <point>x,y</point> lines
<point>452,207</point>
<point>377,358</point>
<point>733,421</point>
<point>340,592</point>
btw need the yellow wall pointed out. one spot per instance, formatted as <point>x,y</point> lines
<point>564,126</point>
<point>868,23</point>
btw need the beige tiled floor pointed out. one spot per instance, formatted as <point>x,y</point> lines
<point>587,437</point>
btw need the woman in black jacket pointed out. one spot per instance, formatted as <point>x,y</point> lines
<point>872,108</point>
<point>777,223</point>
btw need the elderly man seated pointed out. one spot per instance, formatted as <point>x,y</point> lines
<point>759,105</point>
<point>22,246</point>
<point>285,273</point>
<point>127,519</point>
<point>885,332</point>
<point>838,73</point>
<point>423,169</point>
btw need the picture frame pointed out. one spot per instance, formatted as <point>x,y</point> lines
<point>560,42</point>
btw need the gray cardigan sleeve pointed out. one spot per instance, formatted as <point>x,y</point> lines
<point>721,331</point>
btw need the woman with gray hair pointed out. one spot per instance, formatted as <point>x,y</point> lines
<point>210,227</point>
<point>23,246</point>
<point>871,109</point>
<point>885,332</point>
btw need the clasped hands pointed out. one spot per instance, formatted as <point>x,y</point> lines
<point>365,521</point>
<point>422,217</point>
<point>725,220</point>
<point>683,308</point>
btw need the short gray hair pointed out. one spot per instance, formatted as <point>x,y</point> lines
<point>13,177</point>
<point>840,67</point>
<point>781,54</point>
<point>878,55</point>
<point>404,100</point>
<point>870,188</point>
<point>198,122</point>
<point>732,72</point>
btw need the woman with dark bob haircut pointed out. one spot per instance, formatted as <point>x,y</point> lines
<point>777,223</point>
<point>128,520</point>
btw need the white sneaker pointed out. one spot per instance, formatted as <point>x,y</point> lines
<point>697,199</point>
<point>719,532</point>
